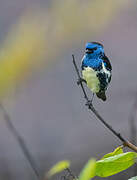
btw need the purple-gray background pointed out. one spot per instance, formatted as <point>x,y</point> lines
<point>49,109</point>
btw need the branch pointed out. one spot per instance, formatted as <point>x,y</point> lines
<point>20,141</point>
<point>71,174</point>
<point>132,120</point>
<point>133,129</point>
<point>92,109</point>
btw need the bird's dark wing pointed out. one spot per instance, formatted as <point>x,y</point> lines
<point>107,63</point>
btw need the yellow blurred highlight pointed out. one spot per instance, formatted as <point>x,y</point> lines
<point>75,20</point>
<point>44,34</point>
<point>58,167</point>
<point>22,50</point>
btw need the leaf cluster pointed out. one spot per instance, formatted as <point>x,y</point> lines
<point>110,164</point>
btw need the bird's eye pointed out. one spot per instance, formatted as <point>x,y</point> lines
<point>95,48</point>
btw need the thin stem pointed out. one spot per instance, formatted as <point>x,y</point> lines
<point>71,174</point>
<point>81,84</point>
<point>133,129</point>
<point>91,107</point>
<point>20,141</point>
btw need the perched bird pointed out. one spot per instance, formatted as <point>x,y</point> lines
<point>96,69</point>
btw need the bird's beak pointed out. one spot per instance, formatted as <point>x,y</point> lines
<point>89,51</point>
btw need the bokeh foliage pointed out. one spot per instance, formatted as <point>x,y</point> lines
<point>42,33</point>
<point>111,164</point>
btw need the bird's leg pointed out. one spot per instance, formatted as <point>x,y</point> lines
<point>80,80</point>
<point>89,102</point>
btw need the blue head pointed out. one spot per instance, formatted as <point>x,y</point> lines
<point>93,53</point>
<point>94,49</point>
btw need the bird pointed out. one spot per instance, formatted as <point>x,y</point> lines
<point>96,69</point>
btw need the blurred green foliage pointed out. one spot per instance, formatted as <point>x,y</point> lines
<point>109,165</point>
<point>44,33</point>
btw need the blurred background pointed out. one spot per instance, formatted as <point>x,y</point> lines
<point>38,82</point>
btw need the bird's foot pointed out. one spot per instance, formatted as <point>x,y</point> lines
<point>89,103</point>
<point>80,80</point>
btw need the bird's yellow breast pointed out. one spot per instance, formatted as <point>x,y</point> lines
<point>91,78</point>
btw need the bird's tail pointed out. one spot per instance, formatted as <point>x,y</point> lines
<point>101,95</point>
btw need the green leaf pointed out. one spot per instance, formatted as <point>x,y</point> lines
<point>117,151</point>
<point>115,164</point>
<point>60,166</point>
<point>88,171</point>
<point>133,178</point>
